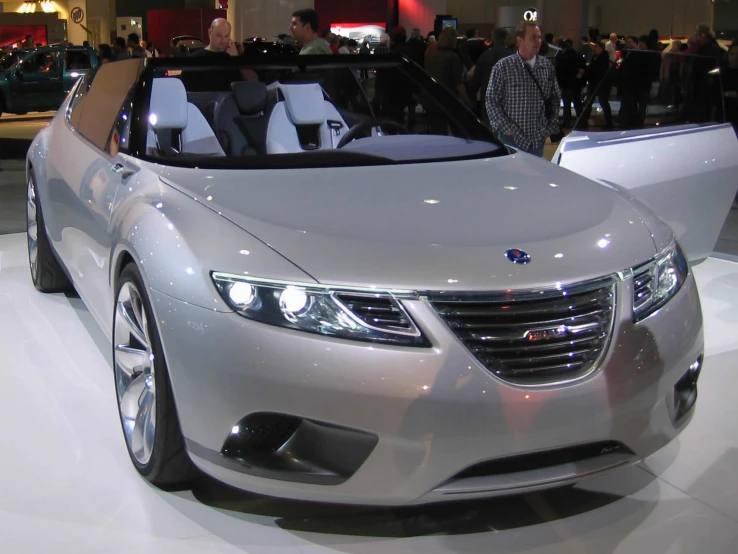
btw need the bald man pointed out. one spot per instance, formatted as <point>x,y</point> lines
<point>220,40</point>
<point>612,47</point>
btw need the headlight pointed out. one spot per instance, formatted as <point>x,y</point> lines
<point>656,282</point>
<point>364,315</point>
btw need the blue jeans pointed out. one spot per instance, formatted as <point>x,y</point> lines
<point>536,151</point>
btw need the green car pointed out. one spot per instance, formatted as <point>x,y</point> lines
<point>40,79</point>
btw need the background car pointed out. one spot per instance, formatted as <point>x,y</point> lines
<point>186,44</point>
<point>259,46</point>
<point>323,295</point>
<point>41,78</point>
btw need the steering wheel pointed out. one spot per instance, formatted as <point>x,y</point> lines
<point>364,126</point>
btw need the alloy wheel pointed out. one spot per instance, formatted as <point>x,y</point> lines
<point>32,220</point>
<point>134,373</point>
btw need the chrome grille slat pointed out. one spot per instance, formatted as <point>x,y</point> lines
<point>382,321</point>
<point>559,336</point>
<point>522,307</point>
<point>534,347</point>
<point>642,287</point>
<point>535,363</point>
<point>378,311</point>
<point>373,309</point>
<point>535,359</point>
<point>517,332</point>
<point>558,321</point>
<point>548,370</point>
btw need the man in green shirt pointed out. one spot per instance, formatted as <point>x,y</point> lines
<point>304,28</point>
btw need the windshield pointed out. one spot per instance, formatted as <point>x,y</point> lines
<point>9,60</point>
<point>305,111</point>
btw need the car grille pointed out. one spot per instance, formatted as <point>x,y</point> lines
<point>539,339</point>
<point>381,312</point>
<point>642,286</point>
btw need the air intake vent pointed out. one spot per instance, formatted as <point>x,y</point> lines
<point>642,286</point>
<point>379,312</point>
<point>555,337</point>
<point>542,460</point>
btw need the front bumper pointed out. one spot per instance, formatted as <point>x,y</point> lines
<point>434,412</point>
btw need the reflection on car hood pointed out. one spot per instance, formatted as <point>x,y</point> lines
<point>431,226</point>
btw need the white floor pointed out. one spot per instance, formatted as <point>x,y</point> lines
<point>66,484</point>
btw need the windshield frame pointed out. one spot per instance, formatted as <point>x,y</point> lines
<point>457,111</point>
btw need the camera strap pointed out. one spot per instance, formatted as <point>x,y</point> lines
<point>543,96</point>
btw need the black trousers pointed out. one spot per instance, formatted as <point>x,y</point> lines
<point>603,98</point>
<point>633,108</point>
<point>569,97</point>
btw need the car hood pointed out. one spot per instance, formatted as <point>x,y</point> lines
<point>431,226</point>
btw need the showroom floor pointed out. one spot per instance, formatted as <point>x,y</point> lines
<point>67,485</point>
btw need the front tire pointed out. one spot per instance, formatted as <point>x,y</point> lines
<point>146,404</point>
<point>47,273</point>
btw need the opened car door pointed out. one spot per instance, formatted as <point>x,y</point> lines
<point>688,174</point>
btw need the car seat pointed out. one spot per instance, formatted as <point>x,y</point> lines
<point>302,119</point>
<point>176,125</point>
<point>241,119</point>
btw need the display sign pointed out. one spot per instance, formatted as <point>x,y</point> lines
<point>77,15</point>
<point>531,14</point>
<point>358,31</point>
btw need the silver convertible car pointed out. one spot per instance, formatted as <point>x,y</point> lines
<point>324,279</point>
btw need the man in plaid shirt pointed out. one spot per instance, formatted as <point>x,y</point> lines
<point>520,88</point>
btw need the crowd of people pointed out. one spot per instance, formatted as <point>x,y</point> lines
<point>636,71</point>
<point>517,82</point>
<point>545,73</point>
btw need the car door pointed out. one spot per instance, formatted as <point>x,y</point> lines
<point>84,177</point>
<point>688,175</point>
<point>671,151</point>
<point>37,79</point>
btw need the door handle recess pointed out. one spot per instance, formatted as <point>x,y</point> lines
<point>123,171</point>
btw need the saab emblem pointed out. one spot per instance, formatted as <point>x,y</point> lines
<point>517,256</point>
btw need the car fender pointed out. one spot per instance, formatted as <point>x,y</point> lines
<point>661,232</point>
<point>36,157</point>
<point>177,242</point>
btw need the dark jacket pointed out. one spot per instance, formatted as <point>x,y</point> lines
<point>471,50</point>
<point>446,67</point>
<point>568,65</point>
<point>638,70</point>
<point>415,50</point>
<point>486,62</point>
<point>598,71</point>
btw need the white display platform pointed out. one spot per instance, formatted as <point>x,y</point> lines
<point>66,483</point>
